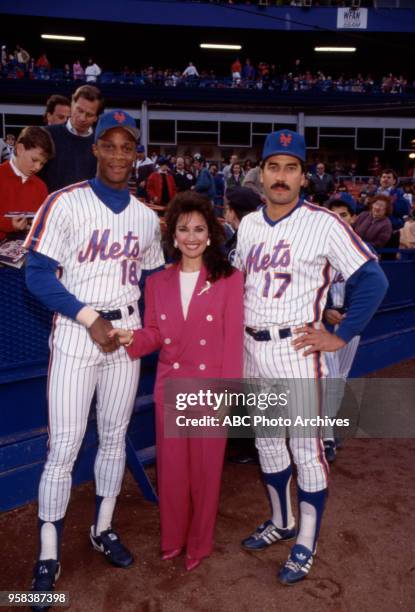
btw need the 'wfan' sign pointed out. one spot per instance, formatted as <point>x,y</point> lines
<point>352,19</point>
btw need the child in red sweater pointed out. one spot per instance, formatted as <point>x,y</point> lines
<point>20,190</point>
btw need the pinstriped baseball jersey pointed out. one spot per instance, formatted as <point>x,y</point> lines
<point>101,253</point>
<point>338,290</point>
<point>289,263</point>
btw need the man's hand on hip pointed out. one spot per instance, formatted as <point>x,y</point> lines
<point>316,340</point>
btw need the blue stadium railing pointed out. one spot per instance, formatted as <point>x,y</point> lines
<point>35,92</point>
<point>282,83</point>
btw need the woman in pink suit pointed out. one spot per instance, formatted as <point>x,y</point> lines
<point>194,316</point>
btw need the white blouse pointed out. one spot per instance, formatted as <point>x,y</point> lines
<point>188,282</point>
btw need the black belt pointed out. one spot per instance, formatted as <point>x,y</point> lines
<point>114,315</point>
<point>264,335</point>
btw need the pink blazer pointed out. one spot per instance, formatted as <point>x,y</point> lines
<point>208,344</point>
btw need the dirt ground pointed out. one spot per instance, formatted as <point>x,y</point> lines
<point>365,560</point>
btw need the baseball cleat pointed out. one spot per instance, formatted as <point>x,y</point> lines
<point>297,565</point>
<point>45,574</point>
<point>108,543</point>
<point>267,534</point>
<point>330,450</point>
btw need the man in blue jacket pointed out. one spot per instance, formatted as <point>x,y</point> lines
<point>388,186</point>
<point>205,183</point>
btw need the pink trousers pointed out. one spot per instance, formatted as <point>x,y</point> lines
<point>189,477</point>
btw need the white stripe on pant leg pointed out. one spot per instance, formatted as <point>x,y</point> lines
<point>71,388</point>
<point>116,393</point>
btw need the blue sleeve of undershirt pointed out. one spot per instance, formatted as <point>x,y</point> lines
<point>366,289</point>
<point>42,282</point>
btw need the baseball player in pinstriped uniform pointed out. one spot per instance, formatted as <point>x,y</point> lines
<point>340,362</point>
<point>288,251</point>
<point>101,237</point>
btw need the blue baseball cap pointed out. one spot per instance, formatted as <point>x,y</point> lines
<point>114,119</point>
<point>284,142</point>
<point>342,197</point>
<point>140,148</point>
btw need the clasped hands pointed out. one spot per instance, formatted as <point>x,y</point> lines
<point>107,337</point>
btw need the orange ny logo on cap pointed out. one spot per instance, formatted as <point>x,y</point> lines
<point>119,117</point>
<point>285,139</point>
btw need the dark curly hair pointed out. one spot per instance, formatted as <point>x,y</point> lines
<point>214,258</point>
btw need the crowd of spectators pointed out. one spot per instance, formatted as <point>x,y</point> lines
<point>384,212</point>
<point>62,154</point>
<point>21,65</point>
<point>239,75</point>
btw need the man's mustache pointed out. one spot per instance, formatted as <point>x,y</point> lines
<point>280,186</point>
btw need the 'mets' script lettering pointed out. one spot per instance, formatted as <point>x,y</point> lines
<point>104,249</point>
<point>279,258</point>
